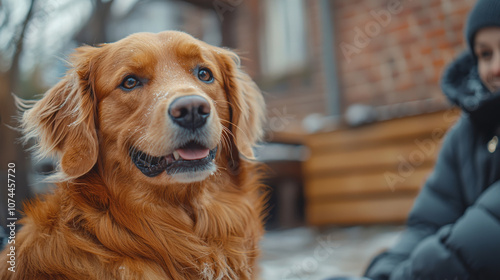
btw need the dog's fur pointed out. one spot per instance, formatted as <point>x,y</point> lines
<point>106,219</point>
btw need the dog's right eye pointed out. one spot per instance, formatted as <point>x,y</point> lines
<point>130,82</point>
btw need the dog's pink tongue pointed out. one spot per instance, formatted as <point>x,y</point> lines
<point>193,154</point>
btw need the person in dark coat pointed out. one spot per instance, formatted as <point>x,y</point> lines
<point>453,230</point>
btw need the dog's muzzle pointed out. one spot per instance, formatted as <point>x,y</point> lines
<point>191,157</point>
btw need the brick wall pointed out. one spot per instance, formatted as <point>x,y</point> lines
<point>387,52</point>
<point>393,51</point>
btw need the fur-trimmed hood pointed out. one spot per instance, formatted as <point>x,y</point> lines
<point>463,87</point>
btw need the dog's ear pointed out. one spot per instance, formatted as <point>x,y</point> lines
<point>63,121</point>
<point>247,107</point>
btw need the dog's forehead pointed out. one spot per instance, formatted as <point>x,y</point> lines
<point>155,57</point>
<point>170,42</point>
<point>159,49</point>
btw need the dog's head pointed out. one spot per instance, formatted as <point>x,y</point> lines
<point>164,107</point>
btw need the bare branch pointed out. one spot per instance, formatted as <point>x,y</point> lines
<point>200,3</point>
<point>94,31</point>
<point>19,44</point>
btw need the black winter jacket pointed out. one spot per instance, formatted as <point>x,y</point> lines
<point>453,230</point>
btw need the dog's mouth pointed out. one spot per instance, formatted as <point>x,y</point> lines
<point>191,157</point>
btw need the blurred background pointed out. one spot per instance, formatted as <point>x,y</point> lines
<point>355,112</point>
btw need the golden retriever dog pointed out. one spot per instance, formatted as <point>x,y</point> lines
<point>156,177</point>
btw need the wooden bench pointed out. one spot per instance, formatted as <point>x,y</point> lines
<point>371,174</point>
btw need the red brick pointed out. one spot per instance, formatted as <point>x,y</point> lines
<point>426,50</point>
<point>435,33</point>
<point>438,63</point>
<point>403,26</point>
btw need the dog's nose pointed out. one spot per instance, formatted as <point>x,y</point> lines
<point>190,112</point>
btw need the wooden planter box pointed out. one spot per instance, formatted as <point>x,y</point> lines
<point>371,174</point>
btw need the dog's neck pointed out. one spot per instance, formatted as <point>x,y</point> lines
<point>211,217</point>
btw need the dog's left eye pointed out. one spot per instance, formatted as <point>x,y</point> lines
<point>205,75</point>
<point>130,82</point>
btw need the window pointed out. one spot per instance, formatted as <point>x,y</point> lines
<point>284,44</point>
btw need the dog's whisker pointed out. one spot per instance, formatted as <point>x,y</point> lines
<point>228,131</point>
<point>223,142</point>
<point>238,128</point>
<point>226,136</point>
<point>227,140</point>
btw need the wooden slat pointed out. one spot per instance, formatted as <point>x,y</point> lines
<point>371,174</point>
<point>388,157</point>
<point>287,137</point>
<point>383,131</point>
<point>366,184</point>
<point>362,211</point>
